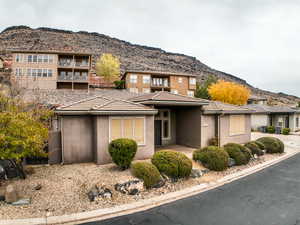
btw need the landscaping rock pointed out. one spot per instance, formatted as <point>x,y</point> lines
<point>2,193</point>
<point>160,184</point>
<point>38,187</point>
<point>2,173</point>
<point>195,173</point>
<point>23,201</point>
<point>11,194</point>
<point>105,192</point>
<point>264,151</point>
<point>231,162</point>
<point>205,171</point>
<point>93,193</point>
<point>132,187</point>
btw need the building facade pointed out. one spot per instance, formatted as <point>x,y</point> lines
<point>50,70</point>
<point>151,81</point>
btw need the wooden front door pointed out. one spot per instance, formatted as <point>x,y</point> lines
<point>157,132</point>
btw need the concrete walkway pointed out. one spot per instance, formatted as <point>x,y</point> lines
<point>269,197</point>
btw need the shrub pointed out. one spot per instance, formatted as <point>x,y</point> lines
<point>119,84</point>
<point>173,164</point>
<point>260,145</point>
<point>213,142</point>
<point>239,153</point>
<point>286,131</point>
<point>272,144</point>
<point>146,172</point>
<point>271,129</point>
<point>254,148</point>
<point>212,157</point>
<point>122,152</point>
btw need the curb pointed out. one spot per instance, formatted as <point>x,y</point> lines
<point>106,213</point>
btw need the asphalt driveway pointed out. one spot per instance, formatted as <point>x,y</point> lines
<point>269,197</point>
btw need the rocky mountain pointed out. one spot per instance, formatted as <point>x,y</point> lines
<point>132,56</point>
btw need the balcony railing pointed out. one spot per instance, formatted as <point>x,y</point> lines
<point>160,82</point>
<point>72,63</point>
<point>70,77</point>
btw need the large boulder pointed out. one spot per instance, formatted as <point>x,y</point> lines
<point>11,194</point>
<point>132,187</point>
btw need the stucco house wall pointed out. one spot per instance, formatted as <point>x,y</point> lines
<point>258,120</point>
<point>224,133</point>
<point>208,129</point>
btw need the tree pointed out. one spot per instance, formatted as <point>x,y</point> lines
<point>229,92</point>
<point>23,131</point>
<point>108,66</point>
<point>202,89</point>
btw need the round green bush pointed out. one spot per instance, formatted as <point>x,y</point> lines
<point>271,129</point>
<point>260,145</point>
<point>212,157</point>
<point>286,131</point>
<point>146,172</point>
<point>122,152</point>
<point>239,153</point>
<point>173,164</point>
<point>254,148</point>
<point>272,144</point>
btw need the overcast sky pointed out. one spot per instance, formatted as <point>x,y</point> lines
<point>256,40</point>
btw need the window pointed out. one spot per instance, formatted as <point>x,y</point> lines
<point>133,79</point>
<point>18,72</point>
<point>174,91</point>
<point>50,73</point>
<point>133,90</point>
<point>45,72</point>
<point>40,58</point>
<point>180,80</point>
<point>146,90</point>
<point>237,124</point>
<point>164,116</point>
<point>146,79</point>
<point>29,58</point>
<point>131,127</point>
<point>19,58</point>
<point>190,93</point>
<point>39,73</point>
<point>34,58</point>
<point>192,81</point>
<point>50,58</point>
<point>34,72</point>
<point>28,72</point>
<point>45,59</point>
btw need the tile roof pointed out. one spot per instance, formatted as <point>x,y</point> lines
<point>164,97</point>
<point>105,106</point>
<point>270,109</point>
<point>220,107</point>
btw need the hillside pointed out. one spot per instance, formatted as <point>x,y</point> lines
<point>132,56</point>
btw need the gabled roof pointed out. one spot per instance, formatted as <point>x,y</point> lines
<point>101,105</point>
<point>266,109</point>
<point>167,98</point>
<point>215,107</point>
<point>162,73</point>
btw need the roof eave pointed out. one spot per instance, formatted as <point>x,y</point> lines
<point>105,112</point>
<point>172,103</point>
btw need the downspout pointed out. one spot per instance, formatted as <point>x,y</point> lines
<point>62,142</point>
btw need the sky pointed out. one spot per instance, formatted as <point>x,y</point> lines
<point>256,40</point>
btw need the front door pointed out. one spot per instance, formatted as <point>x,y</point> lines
<point>287,122</point>
<point>157,132</point>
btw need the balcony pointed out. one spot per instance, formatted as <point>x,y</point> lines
<point>72,77</point>
<point>160,83</point>
<point>76,62</point>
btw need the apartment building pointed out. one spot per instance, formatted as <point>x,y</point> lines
<point>152,81</point>
<point>51,70</point>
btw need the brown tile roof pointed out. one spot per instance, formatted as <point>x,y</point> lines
<point>266,109</point>
<point>105,106</point>
<point>164,97</point>
<point>220,107</point>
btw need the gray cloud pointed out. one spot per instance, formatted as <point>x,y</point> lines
<point>255,40</point>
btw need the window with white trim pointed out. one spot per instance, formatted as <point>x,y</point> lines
<point>18,72</point>
<point>50,73</point>
<point>146,90</point>
<point>190,93</point>
<point>237,124</point>
<point>128,127</point>
<point>180,80</point>
<point>40,58</point>
<point>133,78</point>
<point>50,58</point>
<point>174,91</point>
<point>164,115</point>
<point>45,58</point>
<point>192,81</point>
<point>28,72</point>
<point>146,79</point>
<point>134,90</point>
<point>19,57</point>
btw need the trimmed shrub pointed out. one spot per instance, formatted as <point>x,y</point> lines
<point>254,148</point>
<point>213,142</point>
<point>212,157</point>
<point>173,164</point>
<point>119,84</point>
<point>239,153</point>
<point>271,129</point>
<point>286,131</point>
<point>146,172</point>
<point>272,144</point>
<point>122,152</point>
<point>260,145</point>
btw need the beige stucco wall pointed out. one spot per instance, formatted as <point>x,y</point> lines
<point>293,124</point>
<point>37,82</point>
<point>208,130</point>
<point>224,133</point>
<point>172,139</point>
<point>258,120</point>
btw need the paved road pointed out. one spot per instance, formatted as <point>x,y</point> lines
<point>270,197</point>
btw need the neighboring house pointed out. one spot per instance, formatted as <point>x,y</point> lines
<point>152,81</point>
<point>1,64</point>
<point>50,69</point>
<point>85,128</point>
<point>260,100</point>
<point>277,116</point>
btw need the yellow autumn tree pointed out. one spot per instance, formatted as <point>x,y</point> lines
<point>229,92</point>
<point>108,66</point>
